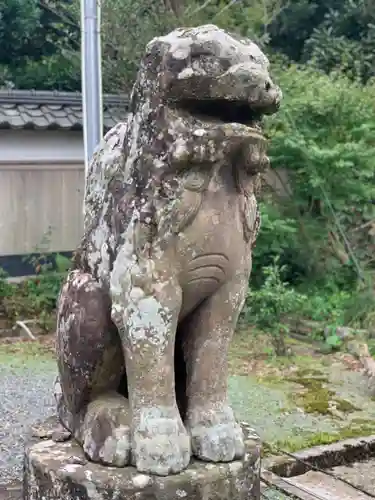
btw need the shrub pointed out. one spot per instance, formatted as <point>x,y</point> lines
<point>273,301</point>
<point>35,297</point>
<point>324,137</point>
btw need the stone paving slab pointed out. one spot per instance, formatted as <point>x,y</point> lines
<point>352,460</point>
<point>325,487</point>
<point>11,491</point>
<point>362,474</point>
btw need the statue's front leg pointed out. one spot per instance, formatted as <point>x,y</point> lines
<point>145,308</point>
<point>215,434</point>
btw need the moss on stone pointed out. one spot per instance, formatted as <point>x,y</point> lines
<point>345,406</point>
<point>317,401</point>
<point>317,397</point>
<point>357,428</point>
<point>311,372</point>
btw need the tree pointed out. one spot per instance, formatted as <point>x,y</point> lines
<point>127,26</point>
<point>123,47</point>
<point>345,40</point>
<point>19,20</point>
<point>39,45</point>
<point>332,34</point>
<point>323,137</point>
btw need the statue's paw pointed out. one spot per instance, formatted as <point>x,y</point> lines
<point>105,432</point>
<point>218,443</point>
<point>215,434</point>
<point>161,445</point>
<point>112,448</point>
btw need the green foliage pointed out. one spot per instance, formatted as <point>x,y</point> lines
<point>278,238</point>
<point>39,45</point>
<point>34,298</point>
<point>323,138</point>
<point>18,22</point>
<point>250,18</point>
<point>127,27</point>
<point>333,34</point>
<point>327,306</point>
<point>5,288</point>
<point>345,40</point>
<point>295,23</point>
<point>267,306</point>
<point>63,264</point>
<point>42,37</point>
<point>333,341</point>
<point>58,72</point>
<point>360,307</point>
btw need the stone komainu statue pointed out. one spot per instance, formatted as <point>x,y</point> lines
<point>146,316</point>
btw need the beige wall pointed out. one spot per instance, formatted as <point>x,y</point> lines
<point>41,191</point>
<point>40,146</point>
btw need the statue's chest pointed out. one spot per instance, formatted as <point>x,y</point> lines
<point>216,212</point>
<point>212,225</point>
<point>213,247</point>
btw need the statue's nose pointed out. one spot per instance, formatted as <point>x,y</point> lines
<point>272,98</point>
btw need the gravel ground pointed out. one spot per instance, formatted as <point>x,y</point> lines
<point>26,386</point>
<point>26,389</point>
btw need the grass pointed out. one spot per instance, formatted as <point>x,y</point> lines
<point>25,352</point>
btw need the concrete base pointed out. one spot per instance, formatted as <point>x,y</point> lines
<point>60,471</point>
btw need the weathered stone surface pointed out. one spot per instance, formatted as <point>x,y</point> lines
<point>60,471</point>
<point>146,316</point>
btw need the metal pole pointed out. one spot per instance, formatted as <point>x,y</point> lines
<point>91,77</point>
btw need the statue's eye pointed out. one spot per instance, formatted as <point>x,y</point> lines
<point>205,50</point>
<point>200,54</point>
<point>267,86</point>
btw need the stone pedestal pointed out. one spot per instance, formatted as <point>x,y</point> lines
<point>60,471</point>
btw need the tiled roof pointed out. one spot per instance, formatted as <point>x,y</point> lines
<point>28,109</point>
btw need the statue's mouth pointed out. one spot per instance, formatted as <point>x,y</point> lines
<point>225,111</point>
